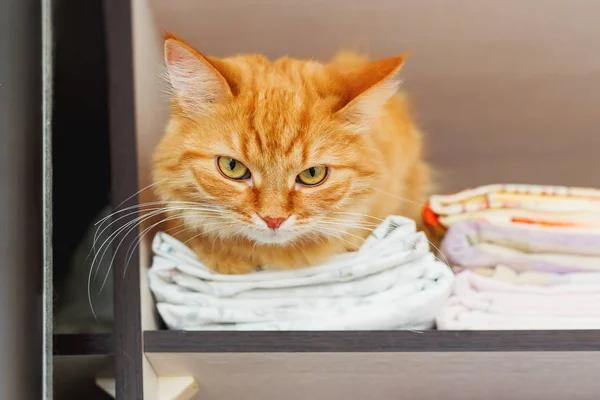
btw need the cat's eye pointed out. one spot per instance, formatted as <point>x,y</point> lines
<point>233,169</point>
<point>312,176</point>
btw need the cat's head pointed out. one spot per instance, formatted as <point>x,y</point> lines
<point>272,151</point>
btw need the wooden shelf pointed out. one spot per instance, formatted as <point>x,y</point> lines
<point>83,344</point>
<point>383,365</point>
<point>369,341</point>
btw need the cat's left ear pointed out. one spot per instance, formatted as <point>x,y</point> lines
<point>369,88</point>
<point>196,81</point>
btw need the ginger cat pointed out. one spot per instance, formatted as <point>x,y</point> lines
<point>287,162</point>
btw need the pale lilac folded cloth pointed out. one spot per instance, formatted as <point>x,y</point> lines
<point>523,247</point>
<point>483,303</point>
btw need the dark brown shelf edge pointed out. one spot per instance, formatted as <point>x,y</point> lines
<point>83,344</point>
<point>369,341</point>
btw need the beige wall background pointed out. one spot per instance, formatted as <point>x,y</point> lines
<point>507,91</point>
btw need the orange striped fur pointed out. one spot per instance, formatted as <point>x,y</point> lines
<point>280,118</point>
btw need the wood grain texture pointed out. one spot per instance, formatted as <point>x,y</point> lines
<point>387,376</point>
<point>369,341</point>
<point>127,331</point>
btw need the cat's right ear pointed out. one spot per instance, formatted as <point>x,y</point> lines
<point>368,89</point>
<point>196,83</point>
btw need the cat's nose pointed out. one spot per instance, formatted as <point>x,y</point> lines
<point>274,222</point>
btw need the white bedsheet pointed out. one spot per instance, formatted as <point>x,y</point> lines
<point>392,282</point>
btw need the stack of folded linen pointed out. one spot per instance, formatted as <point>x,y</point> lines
<point>392,282</point>
<point>485,303</point>
<point>530,256</point>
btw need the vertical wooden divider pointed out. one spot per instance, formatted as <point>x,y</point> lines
<point>128,330</point>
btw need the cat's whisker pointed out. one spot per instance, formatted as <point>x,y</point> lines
<point>349,221</point>
<point>186,211</point>
<point>212,249</point>
<point>335,235</point>
<point>140,191</point>
<point>98,234</point>
<point>189,228</point>
<point>345,225</point>
<point>398,197</point>
<point>356,214</point>
<point>116,250</point>
<point>208,231</point>
<point>165,209</point>
<point>120,204</point>
<point>445,261</point>
<point>168,230</point>
<point>154,212</point>
<point>106,242</point>
<point>138,210</point>
<point>132,225</point>
<point>253,247</point>
<point>348,218</point>
<point>236,233</point>
<point>133,245</point>
<point>129,227</point>
<point>141,206</point>
<point>343,233</point>
<point>321,239</point>
<point>298,248</point>
<point>329,231</point>
<point>131,251</point>
<point>138,207</point>
<point>186,229</point>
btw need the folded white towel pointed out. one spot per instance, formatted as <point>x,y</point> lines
<point>391,282</point>
<point>483,303</point>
